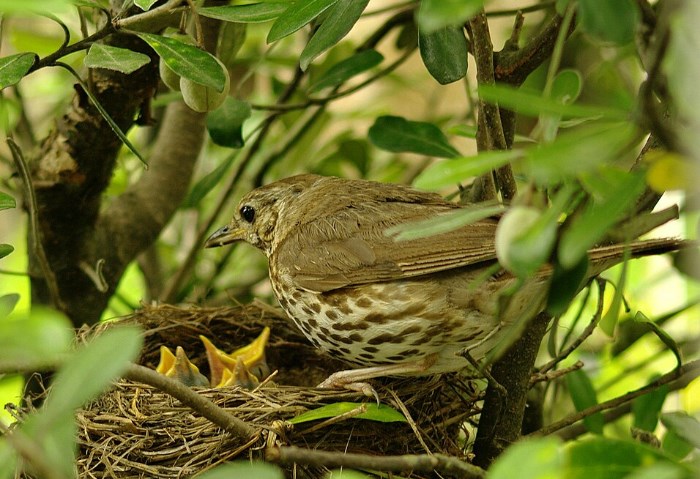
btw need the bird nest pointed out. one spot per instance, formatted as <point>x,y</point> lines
<point>136,430</point>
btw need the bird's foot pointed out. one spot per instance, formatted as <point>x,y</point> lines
<point>340,380</point>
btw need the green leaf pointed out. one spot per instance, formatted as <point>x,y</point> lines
<point>665,338</point>
<point>457,170</point>
<point>14,67</point>
<point>436,14</point>
<point>337,23</point>
<point>659,471</point>
<point>598,217</point>
<point>532,103</point>
<point>612,315</point>
<point>6,201</point>
<point>686,426</point>
<point>35,6</point>
<point>373,412</point>
<point>7,304</point>
<point>605,458</point>
<point>580,151</point>
<point>240,469</point>
<point>253,13</point>
<point>225,124</point>
<point>6,249</point>
<point>614,22</point>
<point>55,435</point>
<point>347,474</point>
<point>202,188</point>
<point>444,53</point>
<point>92,368</point>
<point>346,69</point>
<point>443,223</point>
<point>113,58</point>
<point>647,408</point>
<point>41,338</point>
<point>540,458</point>
<point>675,446</point>
<point>565,286</point>
<point>144,4</point>
<point>584,396</point>
<point>296,16</point>
<point>566,86</point>
<point>188,61</point>
<point>394,133</point>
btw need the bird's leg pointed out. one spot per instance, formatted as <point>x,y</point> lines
<point>354,379</point>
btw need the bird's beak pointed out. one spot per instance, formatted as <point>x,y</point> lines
<point>226,235</point>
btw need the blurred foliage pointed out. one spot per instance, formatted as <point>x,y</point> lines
<point>392,102</point>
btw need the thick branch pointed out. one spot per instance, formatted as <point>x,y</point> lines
<point>502,417</point>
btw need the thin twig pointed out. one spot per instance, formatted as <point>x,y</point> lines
<point>547,376</point>
<point>691,369</point>
<point>584,335</point>
<point>37,244</point>
<point>440,463</point>
<point>323,100</point>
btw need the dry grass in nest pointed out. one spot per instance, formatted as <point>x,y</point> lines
<point>135,430</point>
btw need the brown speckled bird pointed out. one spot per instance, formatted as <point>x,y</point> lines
<point>389,307</point>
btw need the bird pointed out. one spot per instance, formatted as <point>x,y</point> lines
<point>245,366</point>
<point>388,307</point>
<point>178,366</point>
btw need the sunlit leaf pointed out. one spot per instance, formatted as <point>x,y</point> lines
<point>113,58</point>
<point>225,124</point>
<point>14,67</point>
<point>533,103</point>
<point>42,338</point>
<point>394,133</point>
<point>188,61</point>
<point>337,23</point>
<point>296,16</point>
<point>443,223</point>
<point>35,6</point>
<point>252,13</point>
<point>346,69</point>
<point>372,412</point>
<point>530,459</point>
<point>584,396</point>
<point>444,53</point>
<point>457,170</point>
<point>436,14</point>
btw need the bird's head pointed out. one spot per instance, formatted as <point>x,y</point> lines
<point>257,218</point>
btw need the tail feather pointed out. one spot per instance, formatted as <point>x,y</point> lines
<point>604,257</point>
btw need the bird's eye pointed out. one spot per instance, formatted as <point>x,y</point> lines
<point>248,213</point>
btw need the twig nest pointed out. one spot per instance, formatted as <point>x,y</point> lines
<point>135,430</point>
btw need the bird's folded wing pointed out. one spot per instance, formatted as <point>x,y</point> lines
<point>352,248</point>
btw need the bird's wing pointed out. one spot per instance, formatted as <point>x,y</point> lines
<point>350,245</point>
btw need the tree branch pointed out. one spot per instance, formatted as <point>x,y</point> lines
<point>410,462</point>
